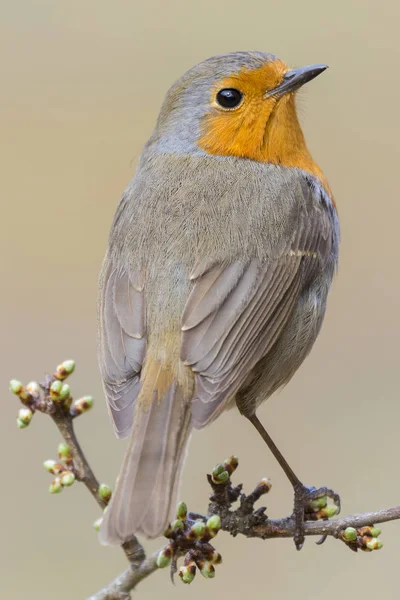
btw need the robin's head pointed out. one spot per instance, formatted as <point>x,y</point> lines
<point>239,104</point>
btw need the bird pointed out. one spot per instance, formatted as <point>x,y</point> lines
<point>214,285</point>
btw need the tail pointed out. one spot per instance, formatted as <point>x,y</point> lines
<point>148,484</point>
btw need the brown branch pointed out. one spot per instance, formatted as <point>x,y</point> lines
<point>191,534</point>
<point>272,528</point>
<point>83,471</point>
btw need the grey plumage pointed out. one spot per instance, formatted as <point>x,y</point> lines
<point>220,281</point>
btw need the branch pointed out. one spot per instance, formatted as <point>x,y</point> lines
<point>191,534</point>
<point>57,402</point>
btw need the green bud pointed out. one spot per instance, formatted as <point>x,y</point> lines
<point>104,492</point>
<point>181,511</point>
<point>97,524</point>
<point>65,391</point>
<point>214,525</point>
<point>55,390</point>
<point>374,544</point>
<point>198,529</point>
<point>187,573</point>
<point>55,486</point>
<point>207,570</point>
<point>80,406</point>
<point>177,524</point>
<point>25,416</point>
<point>64,451</point>
<point>319,503</point>
<point>219,475</point>
<point>218,469</point>
<point>330,511</point>
<point>164,557</point>
<point>375,532</point>
<point>67,478</point>
<point>64,369</point>
<point>16,386</point>
<point>350,534</point>
<point>21,424</point>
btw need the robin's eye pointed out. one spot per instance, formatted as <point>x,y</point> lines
<point>229,98</point>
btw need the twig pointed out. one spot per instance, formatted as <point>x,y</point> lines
<point>125,582</point>
<point>271,528</point>
<point>191,533</point>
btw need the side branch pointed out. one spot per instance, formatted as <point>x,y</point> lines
<point>191,535</point>
<point>272,528</point>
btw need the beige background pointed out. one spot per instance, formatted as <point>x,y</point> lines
<point>81,86</point>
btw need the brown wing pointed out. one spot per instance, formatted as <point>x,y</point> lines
<point>235,313</point>
<point>121,341</point>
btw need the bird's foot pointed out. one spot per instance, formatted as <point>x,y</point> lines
<point>310,503</point>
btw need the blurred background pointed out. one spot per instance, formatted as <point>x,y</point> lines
<point>82,83</point>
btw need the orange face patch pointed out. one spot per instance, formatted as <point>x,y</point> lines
<point>240,131</point>
<point>261,128</point>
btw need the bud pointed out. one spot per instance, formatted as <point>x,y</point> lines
<point>67,478</point>
<point>187,573</point>
<point>375,532</point>
<point>33,388</point>
<point>64,369</point>
<point>64,453</point>
<point>349,534</point>
<point>55,390</point>
<point>319,503</point>
<point>24,417</point>
<point>326,513</point>
<point>104,492</point>
<point>181,511</point>
<point>197,530</point>
<point>219,475</point>
<point>207,570</point>
<point>263,487</point>
<point>168,532</point>
<point>213,525</point>
<point>374,544</point>
<point>369,531</point>
<point>53,467</point>
<point>97,524</point>
<point>65,391</point>
<point>55,486</point>
<point>80,406</point>
<point>164,557</point>
<point>177,524</point>
<point>214,558</point>
<point>17,388</point>
<point>330,511</point>
<point>231,464</point>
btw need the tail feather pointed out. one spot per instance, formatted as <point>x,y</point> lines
<point>147,487</point>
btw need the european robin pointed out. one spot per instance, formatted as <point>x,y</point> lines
<point>214,285</point>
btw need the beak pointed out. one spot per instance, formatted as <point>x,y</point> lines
<point>294,79</point>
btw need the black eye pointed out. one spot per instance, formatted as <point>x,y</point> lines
<point>229,98</point>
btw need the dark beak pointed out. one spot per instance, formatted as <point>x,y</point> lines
<point>294,79</point>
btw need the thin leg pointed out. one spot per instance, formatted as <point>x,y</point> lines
<point>303,495</point>
<point>294,480</point>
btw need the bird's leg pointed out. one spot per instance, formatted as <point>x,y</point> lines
<point>303,495</point>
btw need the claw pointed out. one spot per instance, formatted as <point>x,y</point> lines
<point>303,496</point>
<point>321,540</point>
